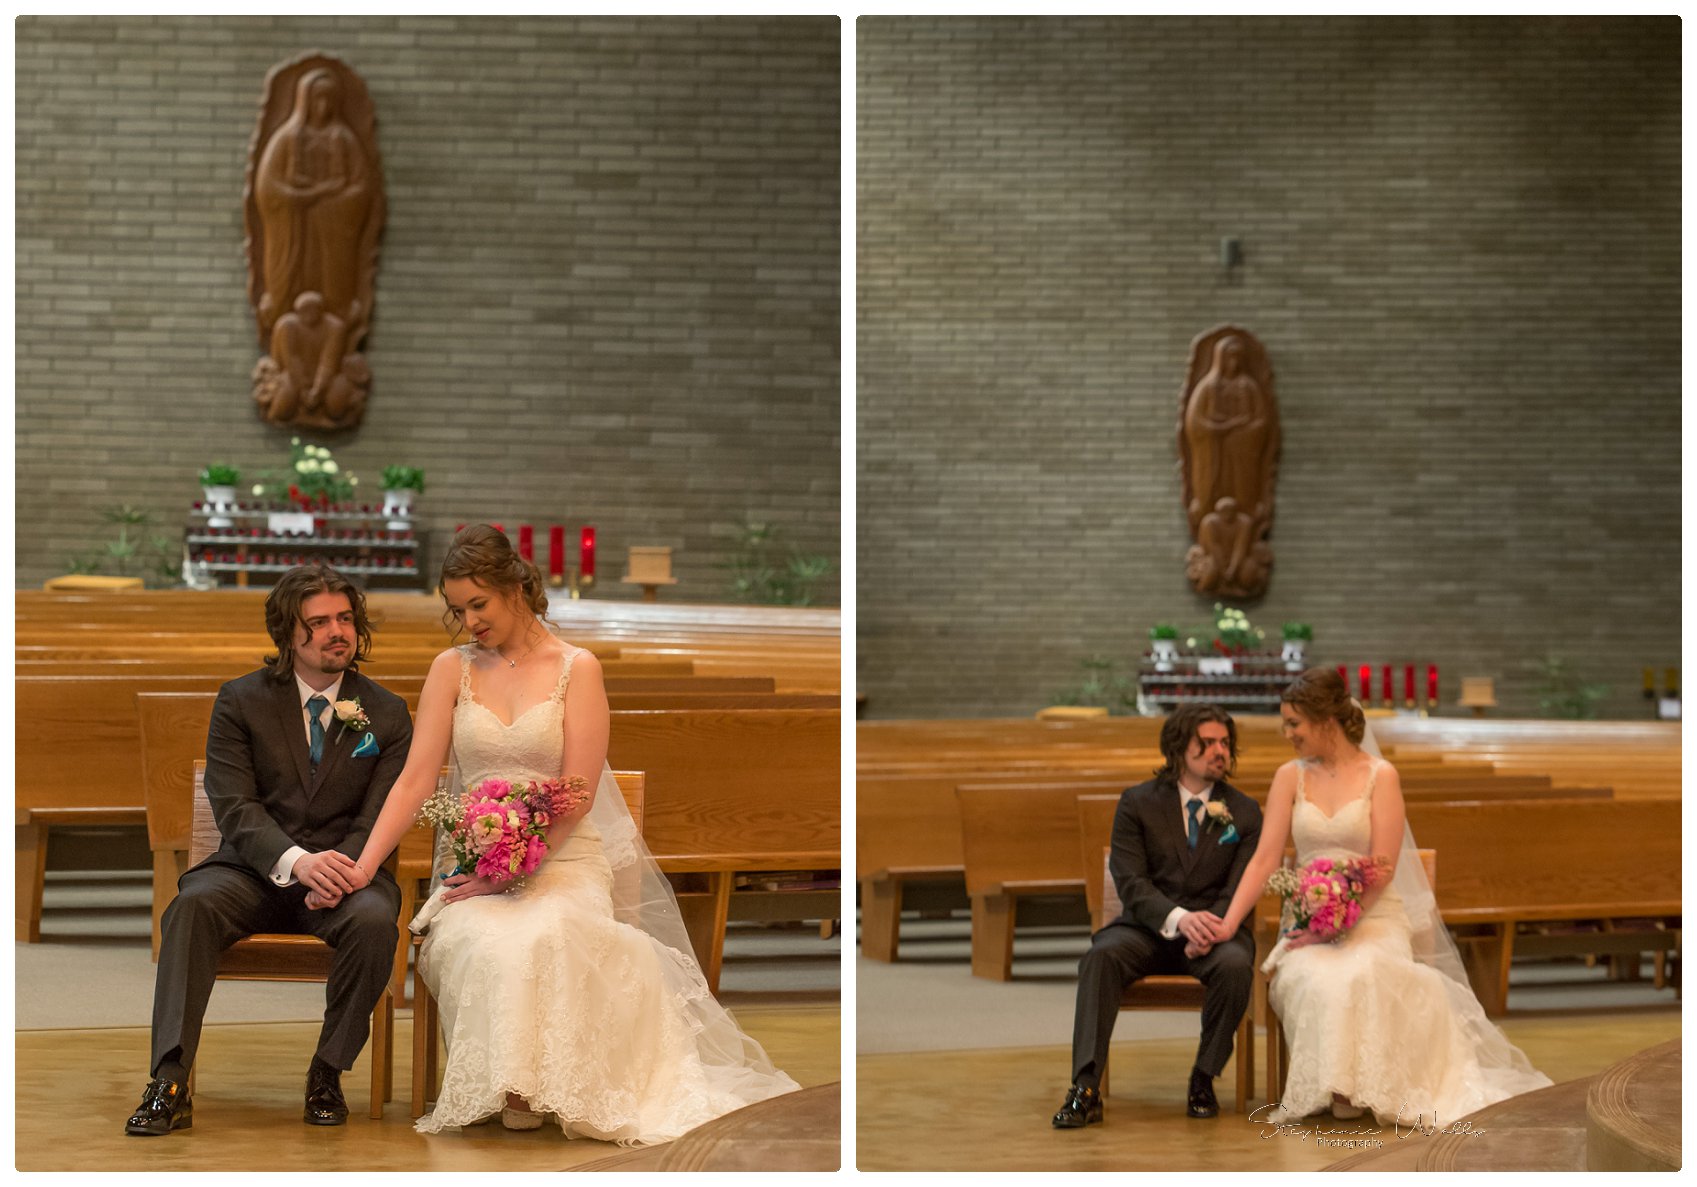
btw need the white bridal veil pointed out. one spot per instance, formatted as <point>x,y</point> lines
<point>1434,947</point>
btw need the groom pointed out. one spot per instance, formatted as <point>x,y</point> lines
<point>299,758</point>
<point>1180,844</point>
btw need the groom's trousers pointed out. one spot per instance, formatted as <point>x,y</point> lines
<point>216,905</point>
<point>1122,953</point>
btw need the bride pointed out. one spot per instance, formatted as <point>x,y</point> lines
<point>573,992</point>
<point>1383,1019</point>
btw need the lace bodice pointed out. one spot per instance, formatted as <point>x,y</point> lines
<point>1347,833</point>
<point>529,747</point>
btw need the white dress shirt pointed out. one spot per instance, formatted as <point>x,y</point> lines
<point>283,873</point>
<point>1169,929</point>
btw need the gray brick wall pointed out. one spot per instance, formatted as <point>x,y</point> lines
<point>1462,249</point>
<point>608,288</point>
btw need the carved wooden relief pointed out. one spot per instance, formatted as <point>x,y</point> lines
<point>1228,444</point>
<point>314,209</point>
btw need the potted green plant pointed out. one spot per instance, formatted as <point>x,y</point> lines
<point>1233,635</point>
<point>218,490</point>
<point>401,484</point>
<point>1297,636</point>
<point>1163,642</point>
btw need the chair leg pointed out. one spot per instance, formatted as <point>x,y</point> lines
<point>379,1053</point>
<point>1102,1086</point>
<point>432,1059</point>
<point>1246,1060</point>
<point>31,878</point>
<point>421,1037</point>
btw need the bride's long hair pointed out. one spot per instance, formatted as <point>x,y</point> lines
<point>484,555</point>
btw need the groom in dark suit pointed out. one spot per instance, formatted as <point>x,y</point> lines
<point>299,758</point>
<point>1180,844</point>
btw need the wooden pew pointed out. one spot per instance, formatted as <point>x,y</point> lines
<point>1516,862</point>
<point>909,825</point>
<point>1017,842</point>
<point>726,791</point>
<point>731,791</point>
<point>77,765</point>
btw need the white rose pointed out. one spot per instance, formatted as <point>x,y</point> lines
<point>1215,808</point>
<point>329,467</point>
<point>294,440</point>
<point>352,481</point>
<point>300,466</point>
<point>258,490</point>
<point>347,709</point>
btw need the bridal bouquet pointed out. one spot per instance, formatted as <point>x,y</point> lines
<point>1324,896</point>
<point>499,829</point>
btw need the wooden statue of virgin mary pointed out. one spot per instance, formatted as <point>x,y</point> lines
<point>314,209</point>
<point>1228,443</point>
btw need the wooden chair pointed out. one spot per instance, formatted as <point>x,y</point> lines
<point>1278,1054</point>
<point>276,957</point>
<point>1165,992</point>
<point>427,1019</point>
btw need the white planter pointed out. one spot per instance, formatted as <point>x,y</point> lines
<point>1295,650</point>
<point>1214,667</point>
<point>397,504</point>
<point>220,501</point>
<point>1165,651</point>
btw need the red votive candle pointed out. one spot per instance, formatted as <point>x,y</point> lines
<point>499,528</point>
<point>1343,674</point>
<point>1408,685</point>
<point>1385,684</point>
<point>1366,683</point>
<point>527,542</point>
<point>556,551</point>
<point>586,551</point>
<point>1431,685</point>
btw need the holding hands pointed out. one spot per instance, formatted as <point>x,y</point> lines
<point>1201,930</point>
<point>329,877</point>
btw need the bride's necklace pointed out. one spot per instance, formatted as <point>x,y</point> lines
<point>513,663</point>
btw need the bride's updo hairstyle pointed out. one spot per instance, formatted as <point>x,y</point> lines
<point>1319,694</point>
<point>486,556</point>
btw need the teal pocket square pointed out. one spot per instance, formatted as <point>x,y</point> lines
<point>367,746</point>
<point>1229,837</point>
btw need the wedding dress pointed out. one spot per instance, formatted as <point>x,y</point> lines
<point>555,990</point>
<point>1371,1017</point>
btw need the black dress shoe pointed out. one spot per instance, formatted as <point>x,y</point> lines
<point>324,1103</point>
<point>1202,1102</point>
<point>1083,1106</point>
<point>164,1107</point>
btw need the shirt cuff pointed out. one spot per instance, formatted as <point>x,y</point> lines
<point>283,873</point>
<point>1169,929</point>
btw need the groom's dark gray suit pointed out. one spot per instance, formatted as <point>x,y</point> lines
<point>267,797</point>
<point>1155,870</point>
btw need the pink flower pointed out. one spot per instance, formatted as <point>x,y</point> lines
<point>493,789</point>
<point>1321,865</point>
<point>535,850</point>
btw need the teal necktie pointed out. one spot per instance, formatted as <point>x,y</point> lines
<point>316,707</point>
<point>1194,807</point>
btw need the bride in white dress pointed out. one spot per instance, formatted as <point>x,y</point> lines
<point>572,994</point>
<point>1382,1019</point>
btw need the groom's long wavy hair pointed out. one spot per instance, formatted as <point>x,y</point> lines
<point>1178,733</point>
<point>283,614</point>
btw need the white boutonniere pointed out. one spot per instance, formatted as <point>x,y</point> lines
<point>1220,817</point>
<point>352,716</point>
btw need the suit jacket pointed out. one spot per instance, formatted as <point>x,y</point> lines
<point>259,777</point>
<point>1153,865</point>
